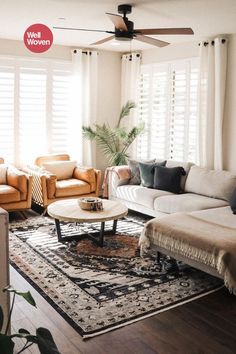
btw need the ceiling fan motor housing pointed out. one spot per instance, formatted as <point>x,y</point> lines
<point>125,35</point>
<point>124,9</point>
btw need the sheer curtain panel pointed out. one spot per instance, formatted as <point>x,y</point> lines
<point>130,71</point>
<point>211,100</point>
<point>84,103</point>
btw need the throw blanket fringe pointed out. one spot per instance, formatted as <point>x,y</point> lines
<point>163,240</point>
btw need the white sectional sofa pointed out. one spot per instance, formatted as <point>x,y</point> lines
<point>202,189</point>
<point>196,226</point>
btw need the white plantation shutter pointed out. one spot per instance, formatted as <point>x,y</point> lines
<point>32,114</point>
<point>167,105</point>
<point>34,108</point>
<point>60,130</point>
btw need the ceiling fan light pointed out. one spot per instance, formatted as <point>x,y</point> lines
<point>125,39</point>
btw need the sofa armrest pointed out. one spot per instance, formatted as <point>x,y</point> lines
<point>17,179</point>
<point>43,184</point>
<point>98,175</point>
<point>114,177</point>
<point>86,174</point>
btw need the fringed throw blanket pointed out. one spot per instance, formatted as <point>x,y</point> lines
<point>207,236</point>
<point>123,173</point>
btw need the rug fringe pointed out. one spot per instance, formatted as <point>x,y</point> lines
<point>87,336</point>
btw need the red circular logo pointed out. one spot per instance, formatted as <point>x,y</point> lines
<point>38,38</point>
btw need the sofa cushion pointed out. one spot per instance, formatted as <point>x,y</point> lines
<point>70,187</point>
<point>3,173</point>
<point>62,169</point>
<point>211,183</point>
<point>232,202</point>
<point>185,165</point>
<point>8,194</point>
<point>186,202</point>
<point>147,173</point>
<point>139,195</point>
<point>135,172</point>
<point>168,178</point>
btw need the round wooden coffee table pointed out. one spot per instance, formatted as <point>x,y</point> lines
<point>69,210</point>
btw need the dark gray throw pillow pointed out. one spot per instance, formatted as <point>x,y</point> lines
<point>168,179</point>
<point>135,172</point>
<point>147,173</point>
<point>232,202</point>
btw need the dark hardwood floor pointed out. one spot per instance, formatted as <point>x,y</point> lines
<point>204,326</point>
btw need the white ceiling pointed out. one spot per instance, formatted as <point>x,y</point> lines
<point>206,17</point>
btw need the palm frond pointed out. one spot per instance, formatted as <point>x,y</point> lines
<point>125,110</point>
<point>88,133</point>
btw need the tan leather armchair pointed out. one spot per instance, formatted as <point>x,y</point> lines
<point>15,188</point>
<point>48,187</point>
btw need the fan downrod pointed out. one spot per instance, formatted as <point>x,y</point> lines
<point>124,9</point>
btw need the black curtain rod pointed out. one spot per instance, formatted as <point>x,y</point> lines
<point>89,52</point>
<point>130,55</point>
<point>212,42</point>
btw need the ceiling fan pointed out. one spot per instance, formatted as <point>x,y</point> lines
<point>124,29</point>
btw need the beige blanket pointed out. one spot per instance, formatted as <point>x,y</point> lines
<point>123,172</point>
<point>207,236</point>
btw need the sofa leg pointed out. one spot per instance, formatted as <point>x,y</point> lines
<point>158,257</point>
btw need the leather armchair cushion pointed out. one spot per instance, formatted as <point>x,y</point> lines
<point>9,194</point>
<point>72,187</point>
<point>3,173</point>
<point>86,174</point>
<point>17,179</point>
<point>62,169</point>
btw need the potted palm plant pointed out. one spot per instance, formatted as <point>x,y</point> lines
<point>115,142</point>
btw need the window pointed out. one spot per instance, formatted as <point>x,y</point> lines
<point>168,106</point>
<point>34,108</point>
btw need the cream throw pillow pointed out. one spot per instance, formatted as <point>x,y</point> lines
<point>62,169</point>
<point>211,183</point>
<point>3,173</point>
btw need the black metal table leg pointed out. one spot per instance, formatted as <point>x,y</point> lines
<point>58,228</point>
<point>101,235</point>
<point>97,236</point>
<point>114,226</point>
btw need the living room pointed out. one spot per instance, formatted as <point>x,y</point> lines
<point>117,176</point>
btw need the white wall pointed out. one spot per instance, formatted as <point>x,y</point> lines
<point>109,73</point>
<point>230,109</point>
<point>171,52</point>
<point>12,47</point>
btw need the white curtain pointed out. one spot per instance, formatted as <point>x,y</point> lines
<point>84,104</point>
<point>130,70</point>
<point>211,99</point>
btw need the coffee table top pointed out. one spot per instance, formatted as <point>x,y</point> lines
<point>69,210</point>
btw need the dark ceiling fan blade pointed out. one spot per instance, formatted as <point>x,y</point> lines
<point>103,40</point>
<point>165,31</point>
<point>152,41</point>
<point>118,21</point>
<point>81,29</point>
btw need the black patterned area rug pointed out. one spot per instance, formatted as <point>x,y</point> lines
<point>99,289</point>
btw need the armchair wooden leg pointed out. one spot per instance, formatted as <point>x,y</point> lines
<point>23,214</point>
<point>44,213</point>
